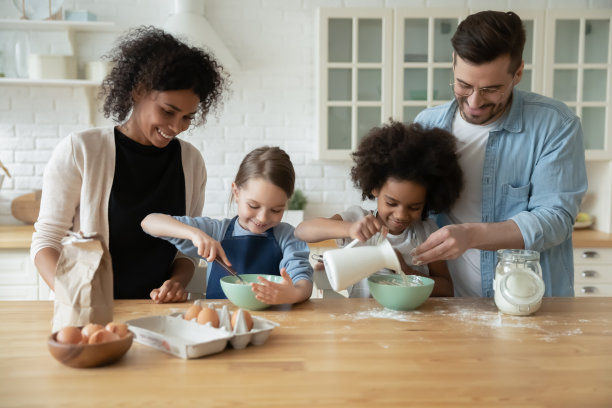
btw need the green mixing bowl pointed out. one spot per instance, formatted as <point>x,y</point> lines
<point>392,292</point>
<point>241,295</point>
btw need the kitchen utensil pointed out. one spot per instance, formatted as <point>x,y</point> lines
<point>229,270</point>
<point>241,294</point>
<point>400,292</point>
<point>89,355</point>
<point>518,282</point>
<point>26,207</point>
<point>350,264</point>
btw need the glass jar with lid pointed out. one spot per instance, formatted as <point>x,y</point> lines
<point>518,282</point>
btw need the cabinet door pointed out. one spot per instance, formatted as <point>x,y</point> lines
<point>354,69</point>
<point>578,71</point>
<point>423,59</point>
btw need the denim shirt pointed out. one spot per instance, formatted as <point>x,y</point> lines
<point>534,173</point>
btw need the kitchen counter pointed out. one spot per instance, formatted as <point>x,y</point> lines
<point>588,238</point>
<point>332,353</point>
<point>16,236</point>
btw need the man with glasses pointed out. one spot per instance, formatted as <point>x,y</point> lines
<point>522,157</point>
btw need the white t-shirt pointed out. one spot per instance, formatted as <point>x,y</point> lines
<point>465,270</point>
<point>404,243</point>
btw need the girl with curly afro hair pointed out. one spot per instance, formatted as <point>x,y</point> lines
<point>108,179</point>
<point>411,172</point>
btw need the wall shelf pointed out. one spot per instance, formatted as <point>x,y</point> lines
<point>57,25</point>
<point>49,82</point>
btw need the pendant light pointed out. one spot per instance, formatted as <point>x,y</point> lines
<point>188,21</point>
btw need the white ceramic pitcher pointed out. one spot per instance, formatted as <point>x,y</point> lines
<point>350,264</point>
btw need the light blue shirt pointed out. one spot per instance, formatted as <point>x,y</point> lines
<point>295,251</point>
<point>534,173</point>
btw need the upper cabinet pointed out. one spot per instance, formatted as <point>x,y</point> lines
<point>379,63</point>
<point>355,68</point>
<point>578,72</point>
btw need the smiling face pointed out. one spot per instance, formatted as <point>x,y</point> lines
<point>261,204</point>
<point>400,202</point>
<point>159,116</point>
<point>493,75</point>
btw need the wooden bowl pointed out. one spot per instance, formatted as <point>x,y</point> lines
<point>89,355</point>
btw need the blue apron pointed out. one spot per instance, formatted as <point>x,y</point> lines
<point>248,254</point>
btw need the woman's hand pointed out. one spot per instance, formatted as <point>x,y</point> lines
<point>366,227</point>
<point>171,291</point>
<point>274,293</point>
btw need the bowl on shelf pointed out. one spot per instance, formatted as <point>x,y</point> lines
<point>241,294</point>
<point>89,355</point>
<point>398,293</point>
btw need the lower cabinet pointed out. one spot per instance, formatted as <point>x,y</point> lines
<point>19,279</point>
<point>593,271</point>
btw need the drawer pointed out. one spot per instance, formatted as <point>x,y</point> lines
<point>592,256</point>
<point>16,268</point>
<point>600,289</point>
<point>591,274</point>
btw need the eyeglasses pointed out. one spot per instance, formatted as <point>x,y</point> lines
<point>490,94</point>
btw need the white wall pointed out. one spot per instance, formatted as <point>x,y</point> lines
<point>272,100</point>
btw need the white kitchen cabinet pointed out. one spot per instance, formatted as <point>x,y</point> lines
<point>579,72</point>
<point>593,271</point>
<point>354,67</point>
<point>19,279</point>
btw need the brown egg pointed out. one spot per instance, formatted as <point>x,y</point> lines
<point>208,315</point>
<point>102,336</point>
<point>246,316</point>
<point>69,335</point>
<point>193,312</point>
<point>120,328</point>
<point>90,329</point>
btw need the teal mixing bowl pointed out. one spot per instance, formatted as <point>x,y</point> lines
<point>241,295</point>
<point>392,292</point>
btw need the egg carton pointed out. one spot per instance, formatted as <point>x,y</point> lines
<point>189,339</point>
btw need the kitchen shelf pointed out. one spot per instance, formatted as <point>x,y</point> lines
<point>49,82</point>
<point>57,25</point>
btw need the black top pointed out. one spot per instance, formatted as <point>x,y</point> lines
<point>147,180</point>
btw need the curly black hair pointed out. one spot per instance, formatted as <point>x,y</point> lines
<point>147,58</point>
<point>410,153</point>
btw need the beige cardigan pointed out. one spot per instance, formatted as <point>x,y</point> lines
<point>77,183</point>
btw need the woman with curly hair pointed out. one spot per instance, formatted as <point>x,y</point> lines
<point>411,172</point>
<point>106,180</point>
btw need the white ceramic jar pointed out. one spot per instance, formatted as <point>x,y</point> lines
<point>518,282</point>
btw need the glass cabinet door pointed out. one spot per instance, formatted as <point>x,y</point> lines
<point>423,59</point>
<point>580,72</point>
<point>355,76</point>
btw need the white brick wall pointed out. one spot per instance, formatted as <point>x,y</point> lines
<point>272,99</point>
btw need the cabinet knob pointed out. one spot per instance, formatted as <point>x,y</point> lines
<point>590,254</point>
<point>587,289</point>
<point>588,274</point>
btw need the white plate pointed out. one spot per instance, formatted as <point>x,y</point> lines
<point>583,224</point>
<point>38,9</point>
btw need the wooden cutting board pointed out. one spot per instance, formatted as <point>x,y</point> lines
<point>26,207</point>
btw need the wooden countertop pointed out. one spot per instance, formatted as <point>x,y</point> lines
<point>333,353</point>
<point>588,238</point>
<point>16,236</point>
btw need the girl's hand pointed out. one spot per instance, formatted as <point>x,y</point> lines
<point>274,293</point>
<point>170,291</point>
<point>366,227</point>
<point>208,248</point>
